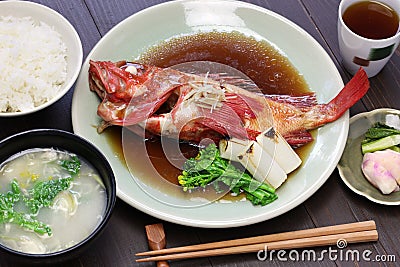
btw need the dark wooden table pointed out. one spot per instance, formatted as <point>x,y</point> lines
<point>332,204</point>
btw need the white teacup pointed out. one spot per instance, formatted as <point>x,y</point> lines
<point>358,51</point>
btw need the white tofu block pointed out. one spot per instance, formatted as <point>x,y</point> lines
<point>261,165</point>
<point>277,147</point>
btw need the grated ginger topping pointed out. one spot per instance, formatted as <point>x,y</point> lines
<point>206,95</point>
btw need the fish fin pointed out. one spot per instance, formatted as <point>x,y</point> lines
<point>298,139</point>
<point>246,109</point>
<point>223,121</point>
<point>306,100</point>
<point>353,91</point>
<point>102,126</point>
<point>229,129</point>
<point>243,106</point>
<point>238,81</point>
<point>140,110</point>
<point>226,123</point>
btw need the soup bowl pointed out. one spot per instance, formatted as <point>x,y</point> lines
<point>62,141</point>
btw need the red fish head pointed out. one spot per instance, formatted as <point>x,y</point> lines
<point>119,81</point>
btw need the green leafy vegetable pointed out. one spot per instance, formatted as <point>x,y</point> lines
<point>208,167</point>
<point>73,165</point>
<point>29,223</point>
<point>7,200</point>
<point>44,192</point>
<point>379,137</point>
<point>9,215</point>
<point>41,195</point>
<point>380,130</point>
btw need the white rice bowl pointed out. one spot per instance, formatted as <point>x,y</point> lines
<point>40,54</point>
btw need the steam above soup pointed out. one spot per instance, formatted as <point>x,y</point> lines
<point>49,200</point>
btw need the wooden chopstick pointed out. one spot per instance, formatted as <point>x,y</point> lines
<point>353,237</point>
<point>156,239</point>
<point>321,231</point>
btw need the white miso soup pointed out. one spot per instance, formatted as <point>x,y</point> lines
<point>49,200</point>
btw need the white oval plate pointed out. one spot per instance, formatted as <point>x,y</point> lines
<point>146,28</point>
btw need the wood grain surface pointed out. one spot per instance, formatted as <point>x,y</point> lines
<point>332,204</point>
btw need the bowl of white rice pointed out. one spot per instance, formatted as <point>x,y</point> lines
<point>40,57</point>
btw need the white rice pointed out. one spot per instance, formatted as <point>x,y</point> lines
<point>33,64</point>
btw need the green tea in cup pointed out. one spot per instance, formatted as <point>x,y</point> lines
<point>371,19</point>
<point>368,33</point>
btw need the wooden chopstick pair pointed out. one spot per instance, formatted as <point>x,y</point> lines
<point>322,236</point>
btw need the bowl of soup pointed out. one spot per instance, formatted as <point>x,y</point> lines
<point>57,193</point>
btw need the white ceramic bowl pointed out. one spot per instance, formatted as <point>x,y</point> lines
<point>69,36</point>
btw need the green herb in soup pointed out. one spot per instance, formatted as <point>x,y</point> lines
<point>72,165</point>
<point>44,192</point>
<point>9,215</point>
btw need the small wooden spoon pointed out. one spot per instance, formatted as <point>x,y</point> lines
<point>156,239</point>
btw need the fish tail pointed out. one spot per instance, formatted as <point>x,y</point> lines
<point>353,91</point>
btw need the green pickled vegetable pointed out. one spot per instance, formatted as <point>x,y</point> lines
<point>381,144</point>
<point>380,130</point>
<point>208,167</point>
<point>379,137</point>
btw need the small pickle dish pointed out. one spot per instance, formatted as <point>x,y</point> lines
<point>352,159</point>
<point>57,193</point>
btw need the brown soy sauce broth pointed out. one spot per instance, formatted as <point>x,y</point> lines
<point>260,61</point>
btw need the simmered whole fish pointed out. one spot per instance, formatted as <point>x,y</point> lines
<point>190,107</point>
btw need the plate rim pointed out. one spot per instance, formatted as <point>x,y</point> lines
<point>259,217</point>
